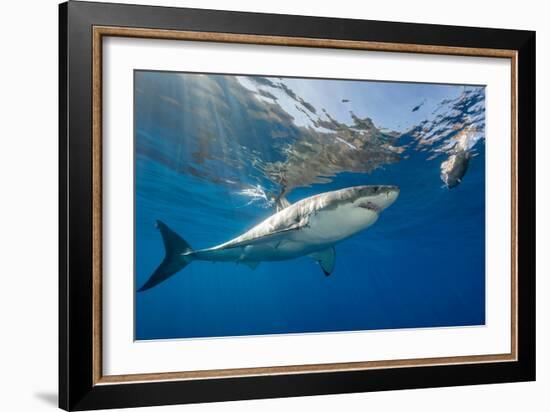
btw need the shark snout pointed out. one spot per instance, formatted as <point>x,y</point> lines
<point>378,198</point>
<point>391,196</point>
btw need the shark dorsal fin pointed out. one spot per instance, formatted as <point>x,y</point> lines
<point>282,203</point>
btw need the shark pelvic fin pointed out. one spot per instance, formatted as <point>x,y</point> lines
<point>326,259</point>
<point>251,265</point>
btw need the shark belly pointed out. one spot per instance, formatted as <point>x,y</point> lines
<point>329,227</point>
<point>323,231</point>
<point>281,250</point>
<point>288,247</point>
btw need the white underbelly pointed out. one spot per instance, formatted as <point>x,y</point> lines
<point>335,225</point>
<point>289,247</point>
<point>323,230</point>
<point>282,250</point>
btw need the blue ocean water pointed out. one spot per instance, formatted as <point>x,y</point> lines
<point>211,153</point>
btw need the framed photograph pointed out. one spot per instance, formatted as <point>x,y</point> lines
<point>257,205</point>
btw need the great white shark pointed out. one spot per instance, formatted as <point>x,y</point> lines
<point>310,227</point>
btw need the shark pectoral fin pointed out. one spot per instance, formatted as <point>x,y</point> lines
<point>326,259</point>
<point>251,265</point>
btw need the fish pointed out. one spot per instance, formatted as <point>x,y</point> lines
<point>454,168</point>
<point>310,227</point>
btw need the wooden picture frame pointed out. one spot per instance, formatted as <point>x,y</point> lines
<point>83,26</point>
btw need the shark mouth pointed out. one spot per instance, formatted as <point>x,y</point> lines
<point>370,206</point>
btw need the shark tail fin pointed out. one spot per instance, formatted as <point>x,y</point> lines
<point>175,259</point>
